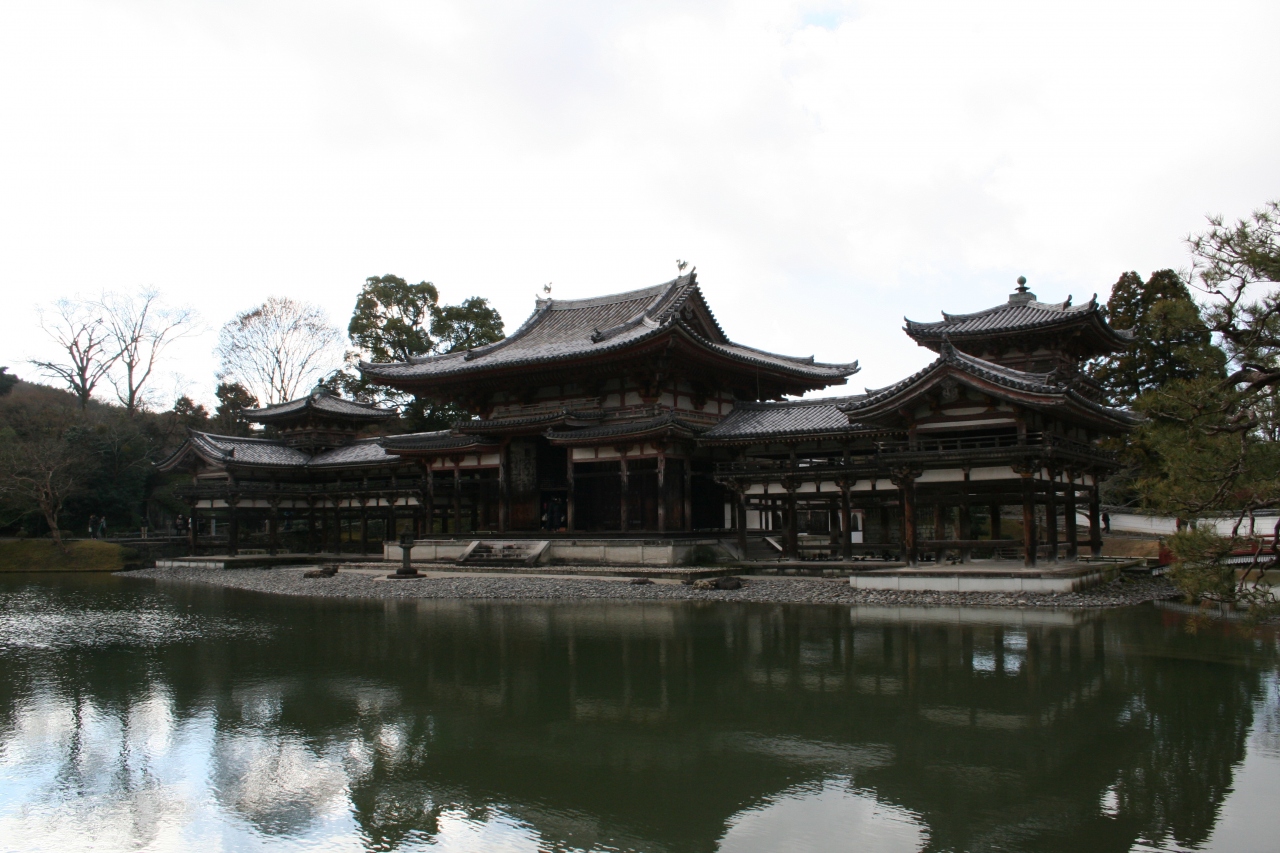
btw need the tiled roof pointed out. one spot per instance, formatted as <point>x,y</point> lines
<point>1021,313</point>
<point>274,453</point>
<point>563,329</point>
<point>247,451</point>
<point>366,451</point>
<point>792,417</point>
<point>439,440</point>
<point>1043,384</point>
<point>319,400</point>
<point>663,423</point>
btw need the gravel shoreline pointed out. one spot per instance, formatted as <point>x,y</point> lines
<point>771,590</point>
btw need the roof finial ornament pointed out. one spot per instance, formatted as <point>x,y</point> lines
<point>1021,296</point>
<point>546,288</point>
<point>680,265</point>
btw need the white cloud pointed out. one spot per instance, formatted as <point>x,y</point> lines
<point>829,167</point>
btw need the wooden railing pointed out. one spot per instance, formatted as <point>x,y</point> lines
<point>884,455</point>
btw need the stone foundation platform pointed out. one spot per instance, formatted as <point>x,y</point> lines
<point>993,576</point>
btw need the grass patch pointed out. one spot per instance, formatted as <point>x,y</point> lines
<point>41,555</point>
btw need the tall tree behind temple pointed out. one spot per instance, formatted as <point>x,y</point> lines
<point>391,318</point>
<point>233,398</point>
<point>278,349</point>
<point>1171,342</point>
<point>470,324</point>
<point>394,320</point>
<point>7,381</point>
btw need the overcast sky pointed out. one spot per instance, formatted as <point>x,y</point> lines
<point>829,167</point>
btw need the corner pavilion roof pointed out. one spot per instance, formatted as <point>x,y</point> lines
<point>1021,314</point>
<point>1039,390</point>
<point>564,330</point>
<point>274,453</point>
<point>322,401</point>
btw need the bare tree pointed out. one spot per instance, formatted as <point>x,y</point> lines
<point>76,327</point>
<point>42,469</point>
<point>278,349</point>
<point>139,328</point>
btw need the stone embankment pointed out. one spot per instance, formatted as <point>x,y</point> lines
<point>373,584</point>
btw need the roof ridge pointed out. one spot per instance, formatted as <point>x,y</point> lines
<point>1064,307</point>
<point>244,438</point>
<point>763,405</point>
<point>610,298</point>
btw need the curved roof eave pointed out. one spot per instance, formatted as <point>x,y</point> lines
<point>1051,395</point>
<point>800,368</point>
<point>1085,314</point>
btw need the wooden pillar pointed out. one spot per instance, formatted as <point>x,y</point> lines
<point>834,520</point>
<point>623,505</point>
<point>1073,534</point>
<point>322,540</point>
<point>846,521</point>
<point>568,509</point>
<point>687,465</point>
<point>431,497</point>
<point>311,526</point>
<point>662,490</point>
<point>273,529</point>
<point>1028,521</point>
<point>337,525</point>
<point>939,533</point>
<point>994,510</point>
<point>740,495</point>
<point>883,511</point>
<point>907,498</point>
<point>457,497</point>
<point>504,493</point>
<point>1051,516</point>
<point>364,527</point>
<point>793,535</point>
<point>233,527</point>
<point>1095,520</point>
<point>193,529</point>
<point>966,520</point>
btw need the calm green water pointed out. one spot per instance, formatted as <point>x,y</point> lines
<point>143,716</point>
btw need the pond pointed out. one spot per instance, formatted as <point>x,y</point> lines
<point>137,715</point>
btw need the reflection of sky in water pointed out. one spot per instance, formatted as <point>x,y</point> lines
<point>868,745</point>
<point>149,782</point>
<point>830,816</point>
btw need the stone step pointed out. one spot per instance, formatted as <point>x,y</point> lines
<point>503,554</point>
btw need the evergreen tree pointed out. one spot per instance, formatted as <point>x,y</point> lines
<point>394,320</point>
<point>1171,341</point>
<point>7,381</point>
<point>1214,437</point>
<point>391,318</point>
<point>232,399</point>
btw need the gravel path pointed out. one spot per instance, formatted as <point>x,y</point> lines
<point>362,584</point>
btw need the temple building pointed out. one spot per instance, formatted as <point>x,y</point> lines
<point>635,415</point>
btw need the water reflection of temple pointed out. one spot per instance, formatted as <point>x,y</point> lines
<point>653,726</point>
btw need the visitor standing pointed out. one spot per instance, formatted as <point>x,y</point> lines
<point>93,527</point>
<point>102,527</point>
<point>1106,522</point>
